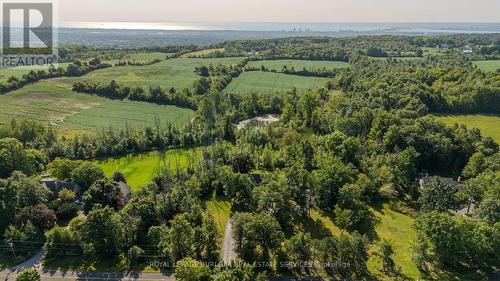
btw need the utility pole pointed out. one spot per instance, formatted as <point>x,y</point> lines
<point>12,247</point>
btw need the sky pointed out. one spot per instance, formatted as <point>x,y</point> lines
<point>279,10</point>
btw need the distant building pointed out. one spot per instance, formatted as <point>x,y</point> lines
<point>57,185</point>
<point>467,51</point>
<point>426,180</point>
<point>444,46</point>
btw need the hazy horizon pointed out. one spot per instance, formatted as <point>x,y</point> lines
<point>297,11</point>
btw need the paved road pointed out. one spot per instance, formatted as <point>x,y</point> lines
<point>34,261</point>
<point>8,275</point>
<point>228,253</point>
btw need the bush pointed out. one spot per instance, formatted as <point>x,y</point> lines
<point>191,270</point>
<point>28,275</point>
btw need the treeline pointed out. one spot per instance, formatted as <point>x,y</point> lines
<point>77,68</point>
<point>137,63</point>
<point>154,94</point>
<point>445,85</point>
<point>319,72</point>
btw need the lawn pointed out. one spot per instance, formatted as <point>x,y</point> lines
<point>140,169</point>
<point>58,105</point>
<point>269,82</point>
<point>298,64</point>
<point>488,65</point>
<point>220,210</point>
<point>488,124</point>
<point>398,229</point>
<point>177,73</point>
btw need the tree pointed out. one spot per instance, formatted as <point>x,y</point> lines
<point>29,274</point>
<point>41,216</point>
<point>181,238</point>
<point>135,256</point>
<point>62,168</point>
<point>188,269</point>
<point>102,233</point>
<point>60,242</point>
<point>457,242</point>
<point>353,250</point>
<point>13,157</point>
<point>252,230</point>
<point>29,190</point>
<point>438,195</point>
<point>298,247</point>
<point>238,270</point>
<point>86,174</point>
<point>385,253</point>
<point>104,192</point>
<point>8,204</point>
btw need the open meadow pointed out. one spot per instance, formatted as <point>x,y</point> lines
<point>269,82</point>
<point>140,169</point>
<point>6,73</point>
<point>488,124</point>
<point>57,104</point>
<point>297,64</point>
<point>488,65</point>
<point>177,73</point>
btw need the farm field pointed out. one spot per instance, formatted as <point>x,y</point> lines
<point>269,82</point>
<point>488,65</point>
<point>140,169</point>
<point>298,64</point>
<point>18,72</point>
<point>58,105</point>
<point>488,124</point>
<point>177,73</point>
<point>202,52</point>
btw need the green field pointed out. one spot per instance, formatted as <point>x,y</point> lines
<point>488,124</point>
<point>140,169</point>
<point>488,65</point>
<point>398,229</point>
<point>298,64</point>
<point>177,73</point>
<point>269,82</point>
<point>18,72</point>
<point>58,105</point>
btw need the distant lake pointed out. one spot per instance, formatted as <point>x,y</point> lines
<point>136,34</point>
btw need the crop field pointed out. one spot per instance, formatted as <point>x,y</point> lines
<point>177,73</point>
<point>269,82</point>
<point>488,124</point>
<point>298,64</point>
<point>488,65</point>
<point>140,169</point>
<point>58,105</point>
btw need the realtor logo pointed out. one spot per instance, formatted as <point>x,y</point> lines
<point>28,31</point>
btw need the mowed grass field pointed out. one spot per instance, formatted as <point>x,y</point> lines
<point>488,65</point>
<point>140,169</point>
<point>269,82</point>
<point>398,229</point>
<point>177,73</point>
<point>488,124</point>
<point>57,104</point>
<point>298,64</point>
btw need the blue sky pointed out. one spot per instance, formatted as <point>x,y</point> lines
<point>281,10</point>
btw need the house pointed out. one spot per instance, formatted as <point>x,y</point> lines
<point>426,180</point>
<point>56,185</point>
<point>467,51</point>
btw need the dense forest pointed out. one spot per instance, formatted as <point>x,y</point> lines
<point>362,140</point>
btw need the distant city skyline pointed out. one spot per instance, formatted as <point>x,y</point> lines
<point>161,11</point>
